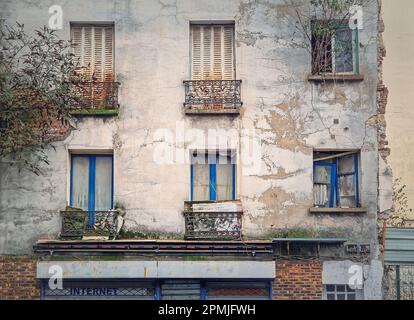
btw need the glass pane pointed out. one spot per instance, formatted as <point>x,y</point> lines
<point>343,51</point>
<point>80,182</point>
<point>340,288</point>
<point>330,296</point>
<point>351,296</point>
<point>347,186</point>
<point>340,297</point>
<point>346,164</point>
<point>322,186</point>
<point>224,178</point>
<point>330,287</point>
<point>347,191</point>
<point>103,184</point>
<point>201,178</point>
<point>348,289</point>
<point>322,175</point>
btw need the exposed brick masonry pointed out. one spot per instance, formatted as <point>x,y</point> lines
<point>18,278</point>
<point>298,280</point>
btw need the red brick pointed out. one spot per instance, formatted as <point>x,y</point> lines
<point>18,278</point>
<point>298,280</point>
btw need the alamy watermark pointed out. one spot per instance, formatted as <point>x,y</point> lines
<point>56,18</point>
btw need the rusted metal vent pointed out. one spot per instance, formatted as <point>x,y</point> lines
<point>351,249</point>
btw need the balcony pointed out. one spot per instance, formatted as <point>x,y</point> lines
<point>218,220</point>
<point>212,97</point>
<point>96,98</point>
<point>77,224</point>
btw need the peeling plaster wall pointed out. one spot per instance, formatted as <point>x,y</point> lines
<point>292,116</point>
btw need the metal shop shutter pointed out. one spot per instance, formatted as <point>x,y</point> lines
<point>237,290</point>
<point>180,290</point>
<point>212,52</point>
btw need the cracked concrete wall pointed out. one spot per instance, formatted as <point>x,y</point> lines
<point>292,116</point>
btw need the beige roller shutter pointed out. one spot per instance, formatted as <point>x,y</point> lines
<point>212,52</point>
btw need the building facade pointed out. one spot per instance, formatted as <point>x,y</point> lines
<point>209,159</point>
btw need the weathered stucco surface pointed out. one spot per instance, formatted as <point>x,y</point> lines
<point>291,115</point>
<point>398,77</point>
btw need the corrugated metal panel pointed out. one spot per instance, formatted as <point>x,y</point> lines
<point>399,245</point>
<point>400,233</point>
<point>181,290</point>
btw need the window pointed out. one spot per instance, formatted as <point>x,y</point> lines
<point>340,292</point>
<point>91,182</point>
<point>335,179</point>
<point>212,52</point>
<point>334,49</point>
<point>213,176</point>
<point>94,49</point>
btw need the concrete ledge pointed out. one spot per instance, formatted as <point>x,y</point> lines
<point>338,210</point>
<point>96,112</point>
<point>158,269</point>
<point>336,77</point>
<point>98,269</point>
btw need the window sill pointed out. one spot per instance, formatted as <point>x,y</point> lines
<point>95,112</point>
<point>338,210</point>
<point>335,77</point>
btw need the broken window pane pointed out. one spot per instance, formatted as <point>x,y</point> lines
<point>347,187</point>
<point>347,191</point>
<point>344,51</point>
<point>342,187</point>
<point>332,48</point>
<point>346,164</point>
<point>321,49</point>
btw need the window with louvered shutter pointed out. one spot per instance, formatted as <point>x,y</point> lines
<point>93,48</point>
<point>212,52</point>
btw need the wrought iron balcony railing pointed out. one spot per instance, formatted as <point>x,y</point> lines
<point>212,96</point>
<point>217,224</point>
<point>78,224</point>
<point>93,95</point>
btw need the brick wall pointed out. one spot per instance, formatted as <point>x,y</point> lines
<point>298,280</point>
<point>18,278</point>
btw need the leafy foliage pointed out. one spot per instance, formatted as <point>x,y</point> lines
<point>401,209</point>
<point>37,89</point>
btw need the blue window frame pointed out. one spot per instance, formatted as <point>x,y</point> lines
<point>92,182</point>
<point>213,177</point>
<point>336,180</point>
